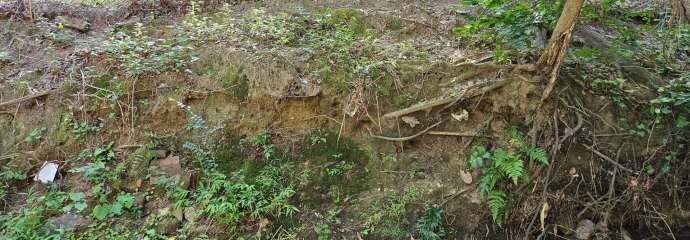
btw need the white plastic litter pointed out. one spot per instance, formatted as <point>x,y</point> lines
<point>47,172</point>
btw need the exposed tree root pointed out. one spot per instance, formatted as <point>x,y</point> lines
<point>25,98</point>
<point>402,139</point>
<point>468,89</point>
<point>608,159</point>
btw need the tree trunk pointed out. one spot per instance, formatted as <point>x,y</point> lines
<point>550,61</point>
<point>681,11</point>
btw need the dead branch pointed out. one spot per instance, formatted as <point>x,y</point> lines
<point>454,134</point>
<point>608,159</point>
<point>25,98</point>
<point>402,139</point>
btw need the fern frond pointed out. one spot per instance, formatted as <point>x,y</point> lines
<point>509,164</point>
<point>516,137</point>
<point>538,154</point>
<point>488,180</point>
<point>479,154</point>
<point>498,200</point>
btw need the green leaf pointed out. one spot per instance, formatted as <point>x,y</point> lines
<point>538,154</point>
<point>76,196</point>
<point>80,206</point>
<point>126,199</point>
<point>479,154</point>
<point>116,208</point>
<point>497,205</point>
<point>682,122</point>
<point>508,164</point>
<point>101,211</point>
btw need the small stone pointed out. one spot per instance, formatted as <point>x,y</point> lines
<point>584,230</point>
<point>190,214</point>
<point>67,221</point>
<point>161,153</point>
<point>74,23</point>
<point>178,213</point>
<point>167,225</point>
<point>139,200</point>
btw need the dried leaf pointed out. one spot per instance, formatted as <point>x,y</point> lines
<point>412,121</point>
<point>462,115</point>
<point>543,214</point>
<point>466,177</point>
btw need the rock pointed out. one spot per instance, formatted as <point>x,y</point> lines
<point>47,172</point>
<point>139,200</point>
<point>168,168</point>
<point>191,214</point>
<point>73,23</point>
<point>584,230</point>
<point>178,213</point>
<point>67,221</point>
<point>167,225</point>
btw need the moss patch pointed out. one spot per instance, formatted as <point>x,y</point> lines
<point>336,169</point>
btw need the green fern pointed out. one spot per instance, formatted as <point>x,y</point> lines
<point>536,153</point>
<point>478,156</point>
<point>516,137</point>
<point>487,183</point>
<point>430,224</point>
<point>508,164</point>
<point>498,200</point>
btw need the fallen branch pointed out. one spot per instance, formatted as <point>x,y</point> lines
<point>454,134</point>
<point>608,159</point>
<point>402,139</point>
<point>25,98</point>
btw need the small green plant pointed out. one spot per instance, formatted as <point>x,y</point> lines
<point>513,24</point>
<point>198,28</point>
<point>501,165</point>
<point>339,167</point>
<point>136,53</point>
<point>228,199</point>
<point>35,134</point>
<point>77,202</point>
<point>263,140</point>
<point>388,215</point>
<point>317,137</point>
<point>79,129</point>
<point>430,225</point>
<point>323,231</point>
<point>28,222</point>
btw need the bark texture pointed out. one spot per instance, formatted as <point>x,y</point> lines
<point>550,61</point>
<point>681,11</point>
